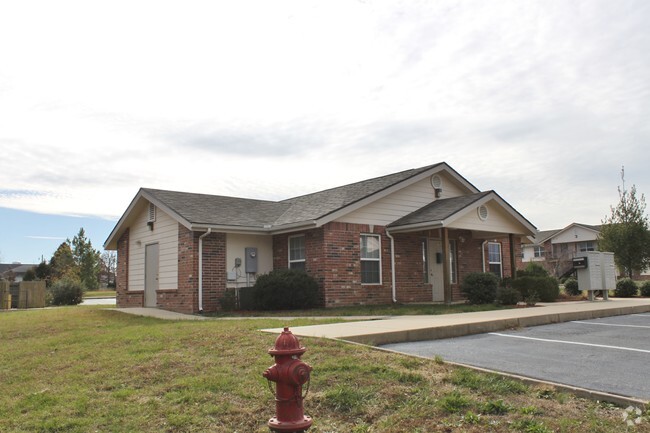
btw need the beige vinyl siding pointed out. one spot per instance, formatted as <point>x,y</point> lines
<point>165,233</point>
<point>575,234</point>
<point>403,202</point>
<point>498,221</point>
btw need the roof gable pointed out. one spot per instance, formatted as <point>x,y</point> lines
<point>445,212</point>
<point>202,211</point>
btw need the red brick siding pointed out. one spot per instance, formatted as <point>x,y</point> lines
<point>409,269</point>
<point>214,270</point>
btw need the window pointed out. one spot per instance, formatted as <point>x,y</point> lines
<point>370,259</point>
<point>586,246</point>
<point>297,252</point>
<point>494,258</point>
<point>453,268</point>
<point>539,251</point>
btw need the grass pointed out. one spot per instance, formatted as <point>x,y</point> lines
<point>87,369</point>
<point>369,310</point>
<point>99,294</point>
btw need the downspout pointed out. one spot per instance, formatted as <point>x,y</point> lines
<point>201,269</point>
<point>392,265</point>
<point>483,254</point>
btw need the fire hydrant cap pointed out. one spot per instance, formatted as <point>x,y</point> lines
<point>287,344</point>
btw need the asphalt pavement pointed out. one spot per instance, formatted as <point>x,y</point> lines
<point>608,355</point>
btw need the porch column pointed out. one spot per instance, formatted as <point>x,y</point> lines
<point>513,259</point>
<point>445,266</point>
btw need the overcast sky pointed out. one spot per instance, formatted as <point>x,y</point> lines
<point>542,101</point>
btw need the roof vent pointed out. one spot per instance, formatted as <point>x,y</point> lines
<point>152,213</point>
<point>482,212</point>
<point>436,181</point>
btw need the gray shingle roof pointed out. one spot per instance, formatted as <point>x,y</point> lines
<point>439,210</point>
<point>207,209</point>
<point>204,209</point>
<point>322,203</point>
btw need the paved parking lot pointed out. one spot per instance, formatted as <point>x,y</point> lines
<point>608,355</point>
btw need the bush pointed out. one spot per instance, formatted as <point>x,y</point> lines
<point>545,289</point>
<point>508,295</point>
<point>228,302</point>
<point>626,288</point>
<point>480,287</point>
<point>571,287</point>
<point>645,289</point>
<point>66,292</point>
<point>533,270</point>
<point>285,289</point>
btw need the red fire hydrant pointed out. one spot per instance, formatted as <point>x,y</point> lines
<point>289,374</point>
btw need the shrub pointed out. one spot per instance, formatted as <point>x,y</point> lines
<point>533,270</point>
<point>66,292</point>
<point>228,302</point>
<point>508,295</point>
<point>285,289</point>
<point>645,289</point>
<point>626,288</point>
<point>480,287</point>
<point>571,287</point>
<point>545,289</point>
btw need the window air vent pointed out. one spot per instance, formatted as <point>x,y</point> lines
<point>152,213</point>
<point>483,212</point>
<point>436,181</point>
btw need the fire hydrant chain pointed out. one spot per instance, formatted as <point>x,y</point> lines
<point>289,373</point>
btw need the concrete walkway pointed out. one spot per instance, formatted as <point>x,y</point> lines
<point>158,313</point>
<point>398,329</point>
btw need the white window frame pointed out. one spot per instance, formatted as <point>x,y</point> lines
<point>538,251</point>
<point>500,262</point>
<point>585,246</point>
<point>370,259</point>
<point>302,260</point>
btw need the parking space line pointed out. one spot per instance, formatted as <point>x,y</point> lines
<point>640,314</point>
<point>570,342</point>
<point>610,324</point>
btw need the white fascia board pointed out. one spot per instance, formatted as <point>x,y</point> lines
<point>394,188</point>
<point>169,211</point>
<point>415,227</point>
<point>509,209</point>
<point>252,230</point>
<point>445,167</point>
<point>111,241</point>
<point>108,244</point>
<point>570,226</point>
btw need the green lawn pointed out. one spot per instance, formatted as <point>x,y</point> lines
<point>88,369</point>
<point>369,310</point>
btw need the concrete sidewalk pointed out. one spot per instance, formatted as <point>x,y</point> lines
<point>398,329</point>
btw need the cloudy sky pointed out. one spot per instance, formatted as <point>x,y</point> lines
<point>543,101</point>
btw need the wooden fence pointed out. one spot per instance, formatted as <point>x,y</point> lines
<point>26,294</point>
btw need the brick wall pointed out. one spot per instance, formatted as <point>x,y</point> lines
<point>409,269</point>
<point>185,299</point>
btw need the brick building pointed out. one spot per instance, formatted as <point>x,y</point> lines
<point>405,237</point>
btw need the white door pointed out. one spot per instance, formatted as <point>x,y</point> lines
<point>436,273</point>
<point>150,275</point>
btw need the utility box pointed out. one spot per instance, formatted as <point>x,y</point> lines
<point>598,273</point>
<point>250,266</point>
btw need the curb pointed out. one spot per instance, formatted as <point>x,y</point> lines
<point>460,330</point>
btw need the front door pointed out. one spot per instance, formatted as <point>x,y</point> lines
<point>436,263</point>
<point>150,275</point>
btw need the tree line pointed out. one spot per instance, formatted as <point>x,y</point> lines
<point>76,261</point>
